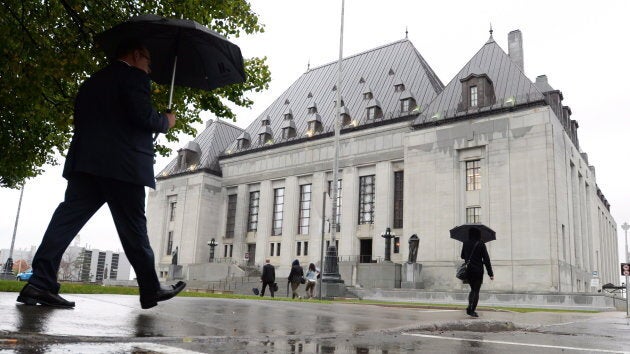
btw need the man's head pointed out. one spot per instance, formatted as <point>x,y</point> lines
<point>135,53</point>
<point>267,261</point>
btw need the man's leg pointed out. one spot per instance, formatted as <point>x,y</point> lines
<point>271,288</point>
<point>82,200</point>
<point>262,292</point>
<point>126,203</point>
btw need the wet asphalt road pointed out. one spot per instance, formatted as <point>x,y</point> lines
<point>116,324</point>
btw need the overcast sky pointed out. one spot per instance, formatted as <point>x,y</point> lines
<point>581,47</point>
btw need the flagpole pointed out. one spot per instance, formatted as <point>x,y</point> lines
<point>331,270</point>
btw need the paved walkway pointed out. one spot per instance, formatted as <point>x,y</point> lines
<point>213,325</point>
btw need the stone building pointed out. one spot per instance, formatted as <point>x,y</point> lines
<point>416,156</point>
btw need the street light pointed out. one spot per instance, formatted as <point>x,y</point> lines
<point>388,246</point>
<point>212,245</point>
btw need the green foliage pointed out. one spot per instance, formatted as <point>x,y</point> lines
<point>48,50</point>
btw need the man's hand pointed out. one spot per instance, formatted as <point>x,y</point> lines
<point>171,119</point>
<point>492,278</point>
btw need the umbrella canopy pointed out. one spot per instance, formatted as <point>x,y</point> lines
<point>460,233</point>
<point>204,59</point>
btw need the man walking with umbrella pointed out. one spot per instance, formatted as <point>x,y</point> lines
<point>110,160</point>
<point>475,252</point>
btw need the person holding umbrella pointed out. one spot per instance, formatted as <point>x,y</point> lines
<point>474,250</point>
<point>110,160</point>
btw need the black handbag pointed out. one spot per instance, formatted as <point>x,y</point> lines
<point>275,287</point>
<point>462,270</point>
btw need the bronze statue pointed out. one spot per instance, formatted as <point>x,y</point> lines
<point>174,258</point>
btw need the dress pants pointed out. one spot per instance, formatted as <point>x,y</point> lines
<point>85,194</point>
<point>473,296</point>
<point>264,286</point>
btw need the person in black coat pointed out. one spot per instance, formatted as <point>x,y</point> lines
<point>268,277</point>
<point>478,259</point>
<point>110,160</point>
<point>295,277</point>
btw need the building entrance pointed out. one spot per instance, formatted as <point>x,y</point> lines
<point>251,253</point>
<point>365,254</point>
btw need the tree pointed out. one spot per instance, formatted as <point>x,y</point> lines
<point>48,50</point>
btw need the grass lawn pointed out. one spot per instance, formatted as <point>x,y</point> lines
<point>79,288</point>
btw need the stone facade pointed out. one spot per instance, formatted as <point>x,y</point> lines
<point>531,184</point>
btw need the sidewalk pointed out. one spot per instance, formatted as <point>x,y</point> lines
<point>119,319</point>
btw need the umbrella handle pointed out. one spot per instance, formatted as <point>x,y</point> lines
<point>170,95</point>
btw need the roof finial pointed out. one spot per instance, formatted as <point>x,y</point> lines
<point>406,32</point>
<point>308,66</point>
<point>491,30</point>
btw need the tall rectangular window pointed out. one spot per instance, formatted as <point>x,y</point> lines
<point>366,199</point>
<point>231,216</point>
<point>396,244</point>
<point>173,206</point>
<point>305,209</point>
<point>399,177</point>
<point>231,249</point>
<point>278,206</point>
<point>473,215</point>
<point>330,192</point>
<point>169,243</point>
<point>225,251</point>
<point>278,249</point>
<point>306,248</point>
<point>473,96</point>
<point>298,250</point>
<point>252,216</point>
<point>473,175</point>
<point>272,249</point>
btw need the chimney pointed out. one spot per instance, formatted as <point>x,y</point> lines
<point>515,48</point>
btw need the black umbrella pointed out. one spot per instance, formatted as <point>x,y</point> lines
<point>460,233</point>
<point>183,52</point>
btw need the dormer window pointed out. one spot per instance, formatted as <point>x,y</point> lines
<point>264,138</point>
<point>473,96</point>
<point>374,113</point>
<point>368,95</point>
<point>243,141</point>
<point>399,88</point>
<point>288,129</point>
<point>407,102</point>
<point>407,105</point>
<point>265,122</point>
<point>315,124</point>
<point>477,92</point>
<point>288,133</point>
<point>373,110</point>
<point>264,135</point>
<point>346,120</point>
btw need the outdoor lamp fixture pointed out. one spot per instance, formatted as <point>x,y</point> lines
<point>212,244</point>
<point>388,245</point>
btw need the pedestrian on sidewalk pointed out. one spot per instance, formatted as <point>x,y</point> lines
<point>110,160</point>
<point>296,277</point>
<point>475,250</point>
<point>268,277</point>
<point>311,280</point>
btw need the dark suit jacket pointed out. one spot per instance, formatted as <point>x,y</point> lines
<point>113,125</point>
<point>268,274</point>
<point>478,259</point>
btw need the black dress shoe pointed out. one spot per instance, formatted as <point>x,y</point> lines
<point>32,295</point>
<point>164,293</point>
<point>473,314</point>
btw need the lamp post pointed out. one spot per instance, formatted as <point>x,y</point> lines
<point>625,228</point>
<point>212,244</point>
<point>388,245</point>
<point>8,266</point>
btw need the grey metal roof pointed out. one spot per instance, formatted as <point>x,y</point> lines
<point>212,141</point>
<point>376,70</point>
<point>511,86</point>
